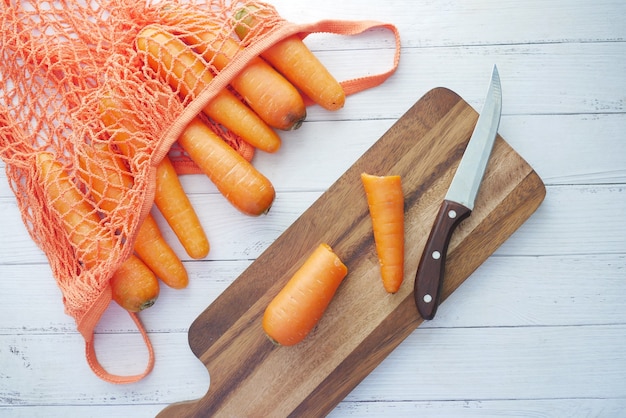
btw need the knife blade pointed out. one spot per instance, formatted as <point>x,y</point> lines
<point>458,202</point>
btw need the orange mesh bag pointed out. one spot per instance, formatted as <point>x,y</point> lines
<point>83,81</point>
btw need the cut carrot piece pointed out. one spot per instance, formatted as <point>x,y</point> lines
<point>188,73</point>
<point>298,307</point>
<point>386,206</point>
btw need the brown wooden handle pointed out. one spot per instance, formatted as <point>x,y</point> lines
<point>431,268</point>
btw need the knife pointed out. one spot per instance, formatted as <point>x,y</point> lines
<point>458,202</point>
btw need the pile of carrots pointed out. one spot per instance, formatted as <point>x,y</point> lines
<point>270,89</point>
<point>270,99</point>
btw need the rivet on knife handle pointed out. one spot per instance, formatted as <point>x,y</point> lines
<point>431,268</point>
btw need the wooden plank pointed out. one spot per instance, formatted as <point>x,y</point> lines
<point>586,144</point>
<point>571,408</point>
<point>522,291</point>
<point>552,230</point>
<point>480,364</point>
<point>470,22</point>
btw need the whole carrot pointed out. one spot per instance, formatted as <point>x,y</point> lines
<point>170,197</point>
<point>108,179</point>
<point>173,203</point>
<point>264,89</point>
<point>188,73</point>
<point>293,59</point>
<point>238,180</point>
<point>386,206</point>
<point>81,222</point>
<point>297,308</point>
<point>152,248</point>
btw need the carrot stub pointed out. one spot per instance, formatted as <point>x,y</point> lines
<point>298,307</point>
<point>294,60</point>
<point>134,285</point>
<point>263,88</point>
<point>188,73</point>
<point>386,206</point>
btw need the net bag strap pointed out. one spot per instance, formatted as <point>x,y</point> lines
<point>337,27</point>
<point>87,325</point>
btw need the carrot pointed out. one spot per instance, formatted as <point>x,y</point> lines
<point>297,308</point>
<point>188,73</point>
<point>81,222</point>
<point>108,177</point>
<point>238,180</point>
<point>170,197</point>
<point>293,59</point>
<point>264,89</point>
<point>132,288</point>
<point>386,206</point>
<point>172,201</point>
<point>152,248</point>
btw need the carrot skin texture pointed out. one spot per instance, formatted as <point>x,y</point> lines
<point>188,73</point>
<point>263,88</point>
<point>170,198</point>
<point>386,206</point>
<point>80,219</point>
<point>294,60</point>
<point>132,288</point>
<point>239,181</point>
<point>108,180</point>
<point>173,203</point>
<point>133,279</point>
<point>152,248</point>
<point>298,307</point>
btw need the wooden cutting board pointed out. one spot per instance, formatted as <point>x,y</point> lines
<point>250,376</point>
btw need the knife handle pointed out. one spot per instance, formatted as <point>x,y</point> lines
<point>431,268</point>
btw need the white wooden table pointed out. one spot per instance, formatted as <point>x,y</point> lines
<point>538,330</point>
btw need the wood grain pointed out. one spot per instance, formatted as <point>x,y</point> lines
<point>250,375</point>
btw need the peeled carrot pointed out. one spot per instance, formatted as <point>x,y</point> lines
<point>108,179</point>
<point>298,307</point>
<point>172,201</point>
<point>264,89</point>
<point>81,221</point>
<point>188,73</point>
<point>386,205</point>
<point>238,180</point>
<point>170,197</point>
<point>293,59</point>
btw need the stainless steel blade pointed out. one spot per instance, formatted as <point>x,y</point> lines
<point>469,174</point>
